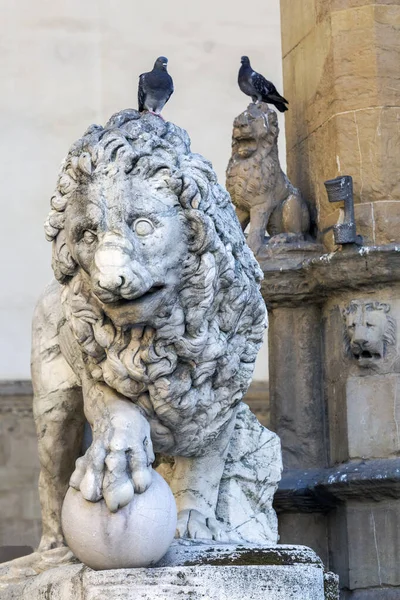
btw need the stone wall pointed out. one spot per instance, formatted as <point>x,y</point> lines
<point>19,470</point>
<point>341,65</point>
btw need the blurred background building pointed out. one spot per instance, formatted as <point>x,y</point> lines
<point>65,65</point>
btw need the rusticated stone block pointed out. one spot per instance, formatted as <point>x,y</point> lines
<point>299,18</point>
<point>294,341</point>
<point>387,35</point>
<point>386,222</point>
<point>354,69</point>
<point>19,468</point>
<point>305,528</point>
<point>313,88</point>
<point>364,216</point>
<point>343,4</point>
<point>359,143</point>
<point>346,115</point>
<point>373,416</point>
<point>375,544</point>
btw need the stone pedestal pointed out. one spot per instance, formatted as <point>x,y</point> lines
<point>341,77</point>
<point>335,379</point>
<point>207,572</point>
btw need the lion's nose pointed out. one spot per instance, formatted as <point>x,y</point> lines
<point>359,343</point>
<point>111,282</point>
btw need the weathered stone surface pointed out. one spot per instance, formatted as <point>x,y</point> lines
<point>306,528</point>
<point>19,470</point>
<point>359,394</point>
<point>348,103</point>
<point>375,544</point>
<point>364,216</point>
<point>296,401</point>
<point>209,573</point>
<point>373,416</point>
<point>381,593</point>
<point>257,398</point>
<point>386,222</point>
<point>341,64</point>
<point>298,20</point>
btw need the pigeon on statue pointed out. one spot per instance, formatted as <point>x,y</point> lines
<point>260,89</point>
<point>155,87</point>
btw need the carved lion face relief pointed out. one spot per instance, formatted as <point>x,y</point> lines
<point>369,330</point>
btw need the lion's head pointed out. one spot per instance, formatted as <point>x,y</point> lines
<point>369,330</point>
<point>255,129</point>
<point>160,289</point>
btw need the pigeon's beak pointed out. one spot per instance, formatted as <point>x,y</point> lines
<point>164,64</point>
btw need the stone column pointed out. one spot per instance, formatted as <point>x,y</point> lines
<point>334,356</point>
<point>297,401</point>
<point>342,79</point>
<point>340,492</point>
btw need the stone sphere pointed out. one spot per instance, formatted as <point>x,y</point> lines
<point>137,535</point>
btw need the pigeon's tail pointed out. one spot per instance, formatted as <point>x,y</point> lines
<point>277,100</point>
<point>280,106</point>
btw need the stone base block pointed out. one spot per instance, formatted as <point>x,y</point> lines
<point>207,572</point>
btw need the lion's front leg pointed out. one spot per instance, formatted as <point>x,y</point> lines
<point>118,462</point>
<point>195,484</point>
<point>259,217</point>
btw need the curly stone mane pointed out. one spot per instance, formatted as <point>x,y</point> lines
<point>189,371</point>
<point>389,331</point>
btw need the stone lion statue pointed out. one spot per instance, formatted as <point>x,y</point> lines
<point>150,333</point>
<point>260,190</point>
<point>369,331</point>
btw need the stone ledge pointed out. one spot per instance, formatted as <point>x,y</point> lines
<point>319,490</point>
<point>292,279</point>
<point>280,573</point>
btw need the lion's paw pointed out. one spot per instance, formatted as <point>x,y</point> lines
<point>194,525</point>
<point>118,463</point>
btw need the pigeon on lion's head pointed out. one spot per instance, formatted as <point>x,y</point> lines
<point>156,320</point>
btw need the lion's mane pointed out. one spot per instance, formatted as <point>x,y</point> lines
<point>189,371</point>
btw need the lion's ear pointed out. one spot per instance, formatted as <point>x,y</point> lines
<point>202,234</point>
<point>62,262</point>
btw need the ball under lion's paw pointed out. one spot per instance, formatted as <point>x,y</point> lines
<point>137,535</point>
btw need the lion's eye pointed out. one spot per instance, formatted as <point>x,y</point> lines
<point>369,325</point>
<point>89,237</point>
<point>143,227</point>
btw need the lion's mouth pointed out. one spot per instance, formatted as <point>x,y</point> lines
<point>367,355</point>
<point>125,302</point>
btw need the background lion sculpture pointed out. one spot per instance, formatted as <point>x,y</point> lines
<point>260,190</point>
<point>155,321</point>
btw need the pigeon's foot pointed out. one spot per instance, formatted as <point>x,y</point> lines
<point>155,114</point>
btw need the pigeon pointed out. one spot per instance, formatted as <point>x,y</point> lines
<point>260,89</point>
<point>155,87</point>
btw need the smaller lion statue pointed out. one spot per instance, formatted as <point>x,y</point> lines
<point>260,190</point>
<point>369,331</point>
